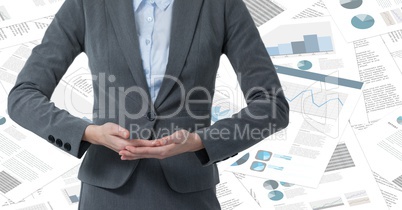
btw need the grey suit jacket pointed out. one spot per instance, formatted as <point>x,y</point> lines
<point>105,30</point>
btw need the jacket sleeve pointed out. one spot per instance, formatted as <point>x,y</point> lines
<point>28,101</point>
<point>267,110</point>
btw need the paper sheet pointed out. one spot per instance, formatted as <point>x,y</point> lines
<point>382,145</point>
<point>346,184</point>
<point>381,75</point>
<point>19,11</point>
<point>23,32</point>
<point>25,167</point>
<point>358,19</point>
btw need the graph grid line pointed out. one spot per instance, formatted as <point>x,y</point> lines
<point>314,101</point>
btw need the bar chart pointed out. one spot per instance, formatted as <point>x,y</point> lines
<point>310,44</point>
<point>301,39</point>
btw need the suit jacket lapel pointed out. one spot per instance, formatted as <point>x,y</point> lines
<point>184,22</point>
<point>121,13</point>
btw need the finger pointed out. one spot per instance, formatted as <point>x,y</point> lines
<point>149,152</point>
<point>163,141</point>
<point>127,155</point>
<point>141,143</point>
<point>177,137</point>
<point>117,130</point>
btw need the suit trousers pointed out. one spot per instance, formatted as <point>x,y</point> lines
<point>146,189</point>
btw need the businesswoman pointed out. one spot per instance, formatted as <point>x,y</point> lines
<point>154,63</point>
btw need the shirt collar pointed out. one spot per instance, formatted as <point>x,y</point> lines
<point>162,4</point>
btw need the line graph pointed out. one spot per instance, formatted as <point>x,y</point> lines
<point>314,101</point>
<point>357,198</point>
<point>312,98</point>
<point>327,203</point>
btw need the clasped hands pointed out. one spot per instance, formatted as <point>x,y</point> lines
<point>117,139</point>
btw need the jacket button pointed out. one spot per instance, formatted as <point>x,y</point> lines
<point>59,143</point>
<point>51,139</point>
<point>151,116</point>
<point>67,146</point>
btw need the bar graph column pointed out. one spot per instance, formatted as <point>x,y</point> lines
<point>325,44</point>
<point>285,49</point>
<point>311,42</point>
<point>298,47</point>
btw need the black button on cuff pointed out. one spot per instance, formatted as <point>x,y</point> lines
<point>67,146</point>
<point>59,143</point>
<point>51,139</point>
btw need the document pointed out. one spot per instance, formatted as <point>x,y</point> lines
<point>63,193</point>
<point>232,195</point>
<point>74,92</point>
<point>19,11</point>
<point>263,11</point>
<point>300,153</point>
<point>393,41</point>
<point>382,145</point>
<point>392,193</point>
<point>312,44</point>
<point>20,33</point>
<point>12,62</point>
<point>381,74</point>
<point>359,19</point>
<point>346,184</point>
<point>322,87</point>
<point>316,9</point>
<point>24,166</point>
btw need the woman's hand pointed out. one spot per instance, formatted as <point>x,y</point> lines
<point>112,136</point>
<point>179,142</point>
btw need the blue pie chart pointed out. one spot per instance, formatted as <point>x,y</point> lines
<point>263,155</point>
<point>351,4</point>
<point>363,21</point>
<point>271,185</point>
<point>399,120</point>
<point>242,160</point>
<point>2,120</point>
<point>304,65</point>
<point>258,166</point>
<point>275,195</point>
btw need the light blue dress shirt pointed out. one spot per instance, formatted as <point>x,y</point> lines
<point>153,21</point>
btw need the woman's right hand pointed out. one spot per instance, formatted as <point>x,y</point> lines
<point>112,136</point>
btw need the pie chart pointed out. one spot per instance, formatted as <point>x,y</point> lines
<point>363,21</point>
<point>263,155</point>
<point>399,120</point>
<point>275,195</point>
<point>242,160</point>
<point>271,184</point>
<point>351,4</point>
<point>257,166</point>
<point>2,120</point>
<point>304,65</point>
